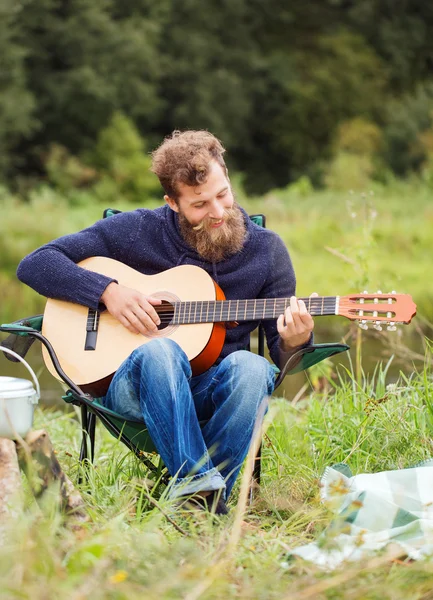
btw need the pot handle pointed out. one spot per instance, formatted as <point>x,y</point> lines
<point>26,364</point>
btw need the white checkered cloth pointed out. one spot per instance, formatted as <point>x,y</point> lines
<point>373,510</point>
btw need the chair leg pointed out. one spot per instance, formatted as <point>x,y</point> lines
<point>92,428</point>
<point>255,480</point>
<point>85,428</point>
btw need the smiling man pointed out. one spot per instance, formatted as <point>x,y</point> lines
<point>202,425</point>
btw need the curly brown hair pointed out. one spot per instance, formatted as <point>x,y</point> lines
<point>184,157</point>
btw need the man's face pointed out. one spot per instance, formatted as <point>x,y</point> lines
<point>206,202</point>
<point>209,219</point>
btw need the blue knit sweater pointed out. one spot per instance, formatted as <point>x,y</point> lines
<point>150,242</point>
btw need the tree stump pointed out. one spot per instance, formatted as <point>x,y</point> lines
<point>11,503</point>
<point>38,461</point>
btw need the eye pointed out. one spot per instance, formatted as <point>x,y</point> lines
<point>199,205</point>
<point>222,194</point>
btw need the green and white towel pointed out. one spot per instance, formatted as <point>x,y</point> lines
<point>372,511</point>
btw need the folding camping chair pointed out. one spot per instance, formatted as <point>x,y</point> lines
<point>133,434</point>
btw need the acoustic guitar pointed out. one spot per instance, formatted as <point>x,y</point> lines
<point>91,345</point>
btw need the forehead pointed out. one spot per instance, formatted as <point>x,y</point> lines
<point>215,183</point>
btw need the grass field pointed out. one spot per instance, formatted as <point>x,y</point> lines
<point>131,548</point>
<point>339,243</point>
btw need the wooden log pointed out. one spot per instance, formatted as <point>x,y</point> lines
<point>11,501</point>
<point>37,459</point>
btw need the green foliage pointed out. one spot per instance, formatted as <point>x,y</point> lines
<point>85,60</point>
<point>17,102</point>
<point>123,165</point>
<point>273,81</point>
<point>349,171</point>
<point>117,170</point>
<point>406,120</point>
<point>66,172</point>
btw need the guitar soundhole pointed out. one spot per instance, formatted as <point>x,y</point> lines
<point>166,313</point>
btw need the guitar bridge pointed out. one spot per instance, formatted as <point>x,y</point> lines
<point>91,329</point>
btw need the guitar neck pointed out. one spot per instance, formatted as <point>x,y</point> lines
<point>218,311</point>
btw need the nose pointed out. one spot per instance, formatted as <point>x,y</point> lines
<point>217,210</point>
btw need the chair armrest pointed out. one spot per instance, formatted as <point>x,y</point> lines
<point>20,338</point>
<point>307,357</point>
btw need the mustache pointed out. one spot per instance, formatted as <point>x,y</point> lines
<point>205,223</point>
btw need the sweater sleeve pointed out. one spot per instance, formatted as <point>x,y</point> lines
<point>52,270</point>
<point>281,283</point>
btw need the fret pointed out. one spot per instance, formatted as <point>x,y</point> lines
<point>231,310</point>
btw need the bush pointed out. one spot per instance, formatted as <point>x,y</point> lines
<point>123,164</point>
<point>117,170</point>
<point>355,155</point>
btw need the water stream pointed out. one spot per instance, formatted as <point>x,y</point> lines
<point>406,346</point>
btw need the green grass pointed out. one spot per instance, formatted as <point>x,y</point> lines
<point>129,549</point>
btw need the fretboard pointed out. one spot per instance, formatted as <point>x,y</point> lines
<point>216,311</point>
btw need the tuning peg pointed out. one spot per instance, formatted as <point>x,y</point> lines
<point>363,324</point>
<point>379,291</point>
<point>378,326</point>
<point>391,327</point>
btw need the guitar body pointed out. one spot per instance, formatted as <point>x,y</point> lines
<point>64,325</point>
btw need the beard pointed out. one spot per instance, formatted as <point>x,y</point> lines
<point>216,244</point>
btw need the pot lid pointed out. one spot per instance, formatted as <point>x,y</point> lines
<point>13,386</point>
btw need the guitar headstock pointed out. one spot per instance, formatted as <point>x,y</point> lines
<point>380,309</point>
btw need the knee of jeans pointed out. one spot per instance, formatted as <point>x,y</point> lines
<point>163,351</point>
<point>251,370</point>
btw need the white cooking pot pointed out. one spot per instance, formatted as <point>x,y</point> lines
<point>17,402</point>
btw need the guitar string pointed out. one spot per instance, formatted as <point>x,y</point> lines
<point>252,314</point>
<point>320,306</point>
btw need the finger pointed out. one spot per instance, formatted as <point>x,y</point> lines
<point>305,319</point>
<point>125,322</point>
<point>302,308</point>
<point>288,317</point>
<point>153,301</point>
<point>281,327</point>
<point>141,320</point>
<point>314,295</point>
<point>149,311</point>
<point>294,305</point>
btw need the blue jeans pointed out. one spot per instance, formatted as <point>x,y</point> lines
<point>201,426</point>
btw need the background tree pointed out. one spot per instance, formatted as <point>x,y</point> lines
<point>275,80</point>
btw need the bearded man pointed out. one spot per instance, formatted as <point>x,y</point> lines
<point>202,425</point>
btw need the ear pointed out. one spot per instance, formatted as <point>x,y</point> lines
<point>172,203</point>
